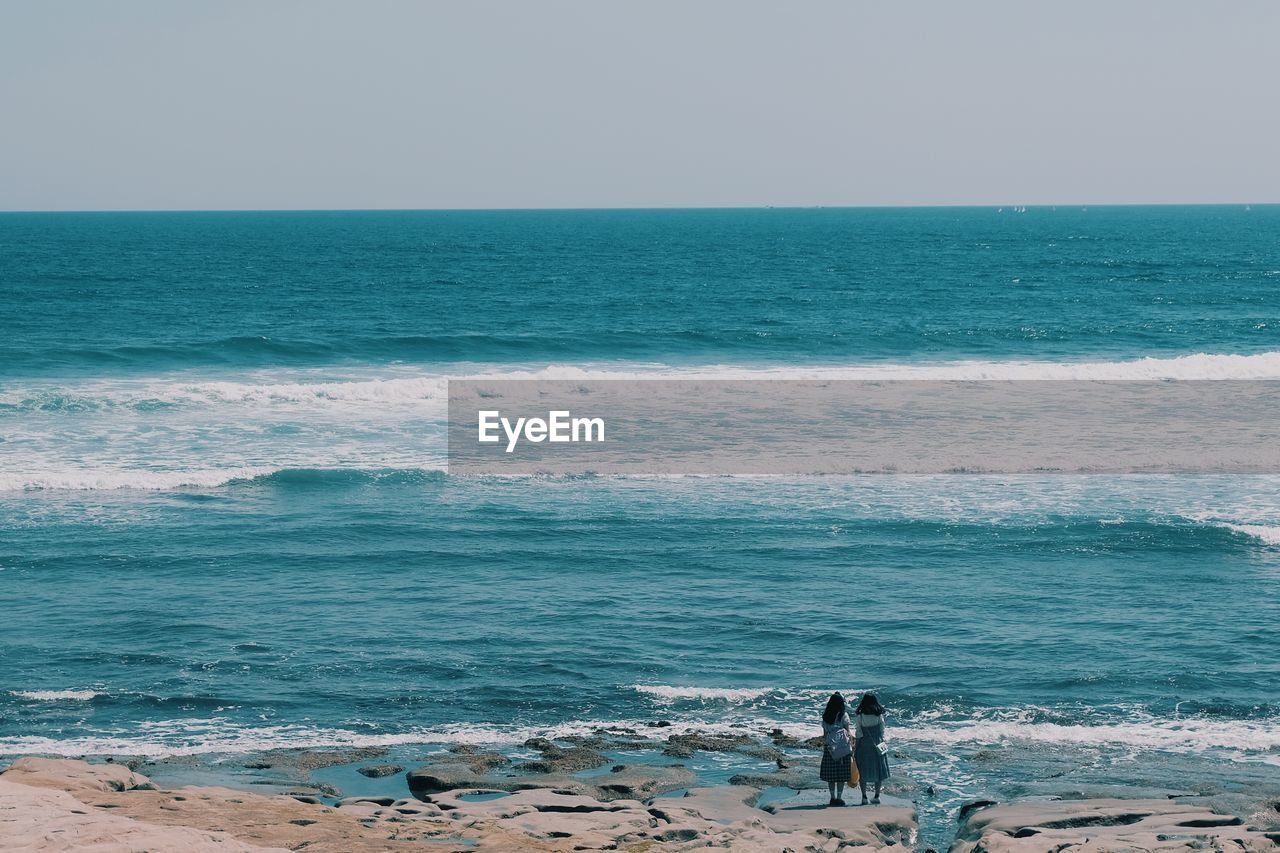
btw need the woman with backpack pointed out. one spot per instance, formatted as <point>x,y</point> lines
<point>837,748</point>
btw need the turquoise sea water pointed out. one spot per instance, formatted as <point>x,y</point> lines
<point>225,524</point>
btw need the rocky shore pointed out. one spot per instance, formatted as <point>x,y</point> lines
<point>59,804</point>
<point>1085,826</point>
<point>567,799</point>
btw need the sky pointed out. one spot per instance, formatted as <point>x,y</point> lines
<point>306,104</point>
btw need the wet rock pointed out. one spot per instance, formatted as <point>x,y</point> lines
<point>972,806</point>
<point>298,763</point>
<point>480,762</point>
<point>766,753</point>
<point>797,779</point>
<point>436,778</point>
<point>378,771</point>
<point>602,742</point>
<point>557,759</point>
<point>433,778</point>
<point>370,801</point>
<point>685,745</point>
<point>641,781</point>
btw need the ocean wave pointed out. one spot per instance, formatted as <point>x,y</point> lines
<point>1267,534</point>
<point>55,695</point>
<point>728,694</point>
<point>121,480</point>
<point>1173,735</point>
<point>405,385</point>
<point>1264,365</point>
<point>152,395</point>
<point>1251,739</point>
<point>114,479</point>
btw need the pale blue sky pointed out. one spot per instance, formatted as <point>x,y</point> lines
<point>381,104</point>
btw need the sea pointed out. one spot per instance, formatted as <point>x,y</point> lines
<point>227,523</point>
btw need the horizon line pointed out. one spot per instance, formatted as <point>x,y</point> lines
<point>604,208</point>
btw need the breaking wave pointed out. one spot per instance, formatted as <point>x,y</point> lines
<point>1253,739</point>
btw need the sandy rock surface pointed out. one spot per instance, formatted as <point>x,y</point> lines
<point>44,819</point>
<point>48,805</point>
<point>1086,826</point>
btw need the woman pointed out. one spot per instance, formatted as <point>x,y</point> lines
<point>837,750</point>
<point>870,748</point>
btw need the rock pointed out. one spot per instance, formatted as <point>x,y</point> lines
<point>369,801</point>
<point>972,806</point>
<point>532,818</point>
<point>781,738</point>
<point>71,775</point>
<point>436,778</point>
<point>642,781</point>
<point>721,804</point>
<point>556,759</point>
<point>38,817</point>
<point>1104,824</point>
<point>798,779</point>
<point>686,744</point>
<point>378,771</point>
<point>766,753</point>
<point>599,742</point>
<point>475,760</point>
<point>891,823</point>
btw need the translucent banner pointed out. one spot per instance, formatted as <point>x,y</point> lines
<point>671,427</point>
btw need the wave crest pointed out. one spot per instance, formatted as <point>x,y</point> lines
<point>56,695</point>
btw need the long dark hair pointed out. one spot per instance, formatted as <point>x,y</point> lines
<point>870,705</point>
<point>835,707</point>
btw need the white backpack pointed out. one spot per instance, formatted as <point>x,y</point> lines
<point>837,743</point>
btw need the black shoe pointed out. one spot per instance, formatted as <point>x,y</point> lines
<point>839,801</point>
<point>831,802</point>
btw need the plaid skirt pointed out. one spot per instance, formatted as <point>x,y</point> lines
<point>835,769</point>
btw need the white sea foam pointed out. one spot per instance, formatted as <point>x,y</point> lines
<point>1267,534</point>
<point>728,694</point>
<point>55,695</point>
<point>206,432</point>
<point>152,393</point>
<point>1195,366</point>
<point>112,479</point>
<point>1239,740</point>
<point>409,385</point>
<point>1177,735</point>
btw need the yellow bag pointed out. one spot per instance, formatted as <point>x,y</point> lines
<point>854,777</point>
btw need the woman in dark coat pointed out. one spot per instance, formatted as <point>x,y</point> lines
<point>870,750</point>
